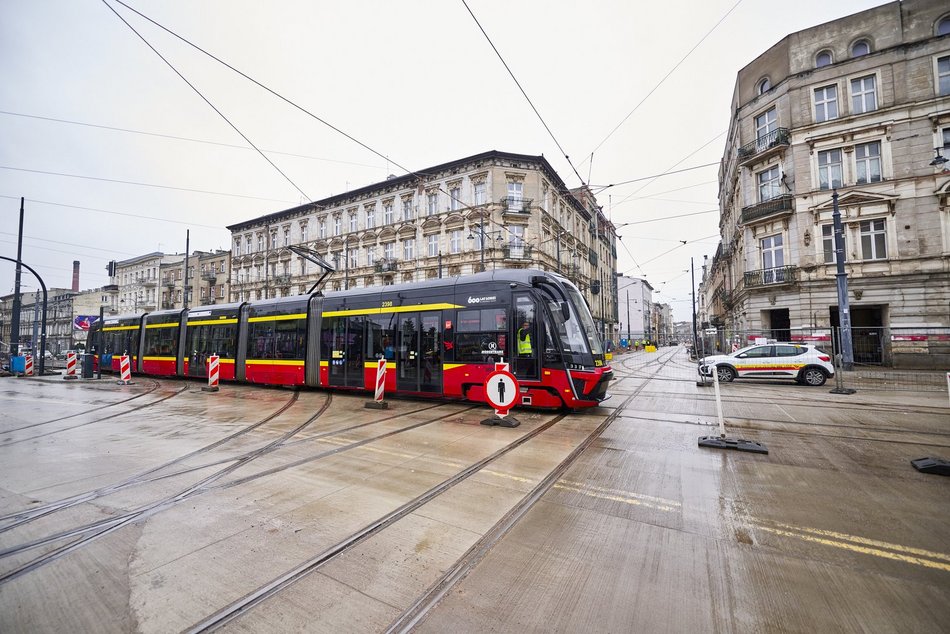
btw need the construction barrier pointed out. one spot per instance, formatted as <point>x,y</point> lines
<point>213,363</point>
<point>71,363</point>
<point>28,365</point>
<point>378,402</point>
<point>125,370</point>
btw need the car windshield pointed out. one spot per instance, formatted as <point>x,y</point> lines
<point>582,313</point>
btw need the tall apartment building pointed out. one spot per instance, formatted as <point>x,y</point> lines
<point>860,106</point>
<point>491,210</point>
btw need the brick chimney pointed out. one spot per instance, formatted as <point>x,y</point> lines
<point>76,275</point>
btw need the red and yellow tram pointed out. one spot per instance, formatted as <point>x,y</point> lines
<point>440,339</point>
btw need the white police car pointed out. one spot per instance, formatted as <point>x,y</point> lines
<point>805,363</point>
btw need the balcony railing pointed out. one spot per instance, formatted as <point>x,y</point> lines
<point>386,265</point>
<point>513,204</point>
<point>777,138</point>
<point>769,277</point>
<point>517,252</point>
<point>779,205</point>
<point>209,277</point>
<point>282,280</point>
<point>150,283</point>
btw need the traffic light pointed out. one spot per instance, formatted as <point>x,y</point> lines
<point>111,267</point>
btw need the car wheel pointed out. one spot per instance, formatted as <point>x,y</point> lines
<point>726,374</point>
<point>813,376</point>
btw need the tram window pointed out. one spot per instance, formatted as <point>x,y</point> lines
<point>483,320</point>
<point>289,337</point>
<point>481,335</point>
<point>379,337</point>
<point>161,342</point>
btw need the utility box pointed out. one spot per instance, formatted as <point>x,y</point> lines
<point>18,364</point>
<point>88,365</point>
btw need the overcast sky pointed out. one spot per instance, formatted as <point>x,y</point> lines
<point>117,156</point>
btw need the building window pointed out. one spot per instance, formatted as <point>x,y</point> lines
<point>516,242</point>
<point>829,169</point>
<point>823,58</point>
<point>826,103</point>
<point>455,198</point>
<point>389,250</point>
<point>863,95</point>
<point>943,75</point>
<point>873,240</point>
<point>455,244</point>
<point>765,124</point>
<point>273,240</point>
<point>337,225</point>
<point>432,204</point>
<point>247,244</point>
<point>286,237</point>
<point>323,228</point>
<point>769,185</point>
<point>303,233</point>
<point>867,159</point>
<point>943,26</point>
<point>354,255</point>
<point>407,210</point>
<point>433,245</point>
<point>773,259</point>
<point>370,217</point>
<point>480,196</point>
<point>408,249</point>
<point>946,138</point>
<point>260,242</point>
<point>388,214</point>
<point>370,256</point>
<point>353,222</point>
<point>764,86</point>
<point>859,48</point>
<point>828,243</point>
<point>515,195</point>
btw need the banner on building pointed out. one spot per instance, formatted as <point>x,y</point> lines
<point>83,322</point>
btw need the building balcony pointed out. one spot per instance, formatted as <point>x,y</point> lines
<point>777,276</point>
<point>386,265</point>
<point>209,277</point>
<point>168,305</point>
<point>766,145</point>
<point>281,280</point>
<point>514,205</point>
<point>519,252</point>
<point>150,283</point>
<point>778,206</point>
<point>726,298</point>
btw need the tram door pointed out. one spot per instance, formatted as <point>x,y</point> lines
<point>419,353</point>
<point>345,338</point>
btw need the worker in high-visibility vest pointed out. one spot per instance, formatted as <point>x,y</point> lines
<point>524,340</point>
<point>524,363</point>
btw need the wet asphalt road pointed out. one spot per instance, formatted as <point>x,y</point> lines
<point>153,507</point>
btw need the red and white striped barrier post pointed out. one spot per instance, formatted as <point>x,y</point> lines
<point>378,402</point>
<point>28,365</point>
<point>70,365</point>
<point>125,370</point>
<point>213,362</point>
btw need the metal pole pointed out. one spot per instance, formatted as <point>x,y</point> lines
<point>346,267</point>
<point>440,264</point>
<point>692,269</point>
<point>185,286</point>
<point>481,229</point>
<point>628,316</point>
<point>17,301</point>
<point>844,312</point>
<point>558,250</point>
<point>99,339</point>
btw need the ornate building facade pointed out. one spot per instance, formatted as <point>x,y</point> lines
<point>859,106</point>
<point>491,210</point>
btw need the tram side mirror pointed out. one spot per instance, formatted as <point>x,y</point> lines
<point>537,280</point>
<point>565,311</point>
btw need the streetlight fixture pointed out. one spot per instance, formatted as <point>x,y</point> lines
<point>939,160</point>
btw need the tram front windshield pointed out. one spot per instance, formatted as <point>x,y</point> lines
<point>577,333</point>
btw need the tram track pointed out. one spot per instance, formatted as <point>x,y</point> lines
<point>95,530</point>
<point>134,409</point>
<point>154,386</point>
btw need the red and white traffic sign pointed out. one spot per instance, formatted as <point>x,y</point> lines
<point>501,389</point>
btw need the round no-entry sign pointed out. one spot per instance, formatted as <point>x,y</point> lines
<point>501,389</point>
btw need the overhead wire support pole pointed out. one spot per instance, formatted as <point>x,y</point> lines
<point>17,301</point>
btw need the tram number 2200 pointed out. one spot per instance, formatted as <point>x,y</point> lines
<point>387,305</point>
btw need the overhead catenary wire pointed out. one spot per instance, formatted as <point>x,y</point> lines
<point>137,183</point>
<point>530,103</point>
<point>206,100</point>
<point>667,76</point>
<point>182,138</point>
<point>114,213</point>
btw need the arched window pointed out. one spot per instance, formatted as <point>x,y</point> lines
<point>764,85</point>
<point>943,25</point>
<point>859,48</point>
<point>823,59</point>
